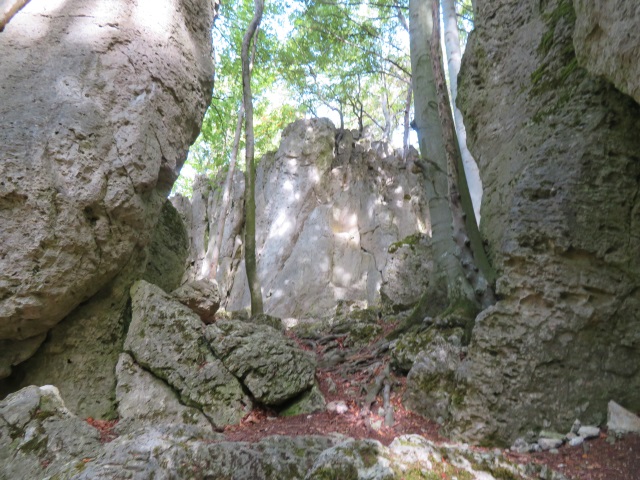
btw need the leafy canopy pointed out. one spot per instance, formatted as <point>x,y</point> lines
<point>346,58</point>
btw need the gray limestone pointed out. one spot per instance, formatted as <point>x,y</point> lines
<point>607,41</point>
<point>201,296</point>
<point>144,399</point>
<point>431,382</point>
<point>558,155</point>
<point>620,420</point>
<point>329,228</point>
<point>115,93</point>
<point>270,366</point>
<point>168,251</point>
<point>166,338</point>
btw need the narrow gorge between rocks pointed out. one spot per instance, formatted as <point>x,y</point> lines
<point>124,355</point>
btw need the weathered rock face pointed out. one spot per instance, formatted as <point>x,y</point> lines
<point>98,105</point>
<point>607,41</point>
<point>330,226</point>
<point>80,353</point>
<point>168,251</point>
<point>144,399</point>
<point>201,296</point>
<point>40,438</point>
<point>166,338</point>
<point>272,367</point>
<point>558,153</point>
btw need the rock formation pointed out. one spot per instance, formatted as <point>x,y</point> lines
<point>607,42</point>
<point>98,105</point>
<point>41,438</point>
<point>558,154</point>
<point>345,222</point>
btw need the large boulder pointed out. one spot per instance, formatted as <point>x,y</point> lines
<point>270,366</point>
<point>98,105</point>
<point>607,41</point>
<point>558,155</point>
<point>333,223</point>
<point>38,435</point>
<point>166,338</point>
<point>80,353</point>
<point>144,399</point>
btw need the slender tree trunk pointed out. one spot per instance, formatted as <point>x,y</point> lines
<point>471,254</point>
<point>250,199</point>
<point>8,11</point>
<point>454,57</point>
<point>432,148</point>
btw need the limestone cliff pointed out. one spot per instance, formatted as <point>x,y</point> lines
<point>99,103</point>
<point>343,223</point>
<point>558,153</point>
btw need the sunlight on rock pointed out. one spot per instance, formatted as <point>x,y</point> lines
<point>154,16</point>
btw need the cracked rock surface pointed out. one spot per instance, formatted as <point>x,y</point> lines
<point>166,338</point>
<point>273,368</point>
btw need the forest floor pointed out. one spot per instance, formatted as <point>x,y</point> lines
<point>596,459</point>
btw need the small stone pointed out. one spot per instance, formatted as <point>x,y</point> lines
<point>621,420</point>
<point>376,424</point>
<point>520,445</point>
<point>576,426</point>
<point>551,434</point>
<point>588,431</point>
<point>337,406</point>
<point>554,451</point>
<point>549,443</point>
<point>570,436</point>
<point>577,441</point>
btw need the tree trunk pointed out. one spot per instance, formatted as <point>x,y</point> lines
<point>432,148</point>
<point>454,57</point>
<point>8,11</point>
<point>250,200</point>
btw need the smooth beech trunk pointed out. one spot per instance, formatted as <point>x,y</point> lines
<point>424,43</point>
<point>454,58</point>
<point>250,175</point>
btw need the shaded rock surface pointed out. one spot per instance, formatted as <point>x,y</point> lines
<point>561,216</point>
<point>431,385</point>
<point>40,438</point>
<point>607,41</point>
<point>144,399</point>
<point>80,354</point>
<point>168,251</point>
<point>38,435</point>
<point>326,223</point>
<point>85,169</point>
<point>166,338</point>
<point>271,367</point>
